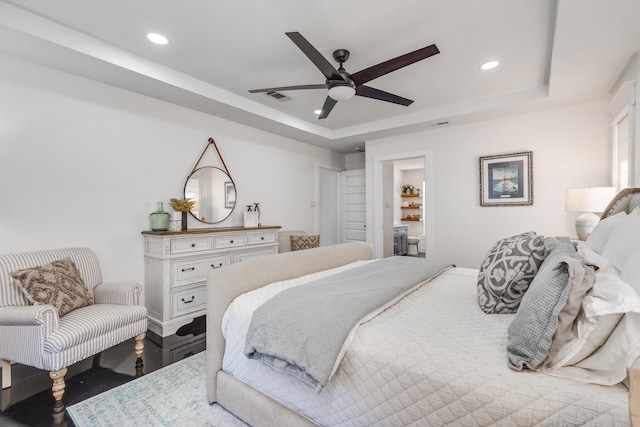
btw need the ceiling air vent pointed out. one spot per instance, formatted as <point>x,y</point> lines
<point>278,96</point>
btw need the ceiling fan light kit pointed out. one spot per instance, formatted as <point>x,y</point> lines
<point>341,92</point>
<point>341,85</point>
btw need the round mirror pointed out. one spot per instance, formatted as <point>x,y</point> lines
<point>213,192</point>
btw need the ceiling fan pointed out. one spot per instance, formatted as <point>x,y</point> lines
<point>341,85</point>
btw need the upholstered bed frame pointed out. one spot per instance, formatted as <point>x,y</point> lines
<point>625,201</point>
<point>225,284</point>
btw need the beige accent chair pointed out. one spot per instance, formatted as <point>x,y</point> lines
<point>35,335</point>
<point>284,239</point>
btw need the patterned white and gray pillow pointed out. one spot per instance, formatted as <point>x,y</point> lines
<point>299,242</point>
<point>58,283</point>
<point>507,272</point>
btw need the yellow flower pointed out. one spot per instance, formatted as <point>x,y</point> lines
<point>182,205</point>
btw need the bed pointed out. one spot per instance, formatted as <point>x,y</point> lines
<point>432,355</point>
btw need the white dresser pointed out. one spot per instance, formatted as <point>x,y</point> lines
<point>177,264</point>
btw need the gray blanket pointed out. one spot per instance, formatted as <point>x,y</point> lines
<point>303,330</point>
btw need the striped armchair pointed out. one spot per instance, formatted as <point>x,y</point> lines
<point>35,335</point>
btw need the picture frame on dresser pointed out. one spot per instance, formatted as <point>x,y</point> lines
<point>506,179</point>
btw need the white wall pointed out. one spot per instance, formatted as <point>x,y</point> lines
<point>570,149</point>
<point>82,163</point>
<point>354,161</point>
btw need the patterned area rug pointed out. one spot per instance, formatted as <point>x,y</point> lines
<point>172,396</point>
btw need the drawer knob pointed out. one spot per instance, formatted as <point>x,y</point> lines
<point>230,241</point>
<point>188,302</point>
<point>214,266</point>
<point>262,238</point>
<point>193,245</point>
<point>188,269</point>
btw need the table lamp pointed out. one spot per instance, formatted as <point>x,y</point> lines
<point>588,200</point>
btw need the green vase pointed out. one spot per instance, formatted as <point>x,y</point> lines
<point>159,220</point>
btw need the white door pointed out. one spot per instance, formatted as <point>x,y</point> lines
<point>329,206</point>
<point>353,205</point>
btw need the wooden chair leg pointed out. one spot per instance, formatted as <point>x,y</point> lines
<point>96,360</point>
<point>139,348</point>
<point>6,374</point>
<point>58,383</point>
<point>634,397</point>
<point>58,391</point>
<point>6,385</point>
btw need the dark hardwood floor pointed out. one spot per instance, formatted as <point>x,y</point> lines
<point>29,399</point>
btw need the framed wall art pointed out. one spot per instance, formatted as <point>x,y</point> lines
<point>506,179</point>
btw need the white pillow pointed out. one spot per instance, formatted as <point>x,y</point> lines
<point>624,239</point>
<point>599,236</point>
<point>602,309</point>
<point>590,256</point>
<point>608,365</point>
<point>606,335</point>
<point>630,272</point>
<point>588,336</point>
<point>610,295</point>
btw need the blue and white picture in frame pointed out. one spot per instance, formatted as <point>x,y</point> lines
<point>506,179</point>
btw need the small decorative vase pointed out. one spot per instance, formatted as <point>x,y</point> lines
<point>184,220</point>
<point>159,220</point>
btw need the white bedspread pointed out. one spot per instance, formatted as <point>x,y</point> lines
<point>432,359</point>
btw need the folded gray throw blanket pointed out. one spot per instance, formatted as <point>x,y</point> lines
<point>304,331</point>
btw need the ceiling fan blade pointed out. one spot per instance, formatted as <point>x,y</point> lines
<point>284,88</point>
<point>394,64</point>
<point>316,57</point>
<point>370,92</point>
<point>329,103</point>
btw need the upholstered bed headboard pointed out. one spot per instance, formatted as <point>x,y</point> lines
<point>625,201</point>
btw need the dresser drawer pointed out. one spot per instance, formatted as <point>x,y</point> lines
<point>242,256</point>
<point>258,238</point>
<point>229,241</point>
<point>193,270</point>
<point>191,245</point>
<point>188,300</point>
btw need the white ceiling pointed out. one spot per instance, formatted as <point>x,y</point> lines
<point>552,53</point>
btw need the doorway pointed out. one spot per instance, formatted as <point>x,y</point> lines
<point>327,211</point>
<point>390,174</point>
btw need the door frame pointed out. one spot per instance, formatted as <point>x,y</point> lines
<point>379,197</point>
<point>318,201</point>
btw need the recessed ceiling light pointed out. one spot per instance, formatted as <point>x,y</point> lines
<point>157,38</point>
<point>317,112</point>
<point>490,65</point>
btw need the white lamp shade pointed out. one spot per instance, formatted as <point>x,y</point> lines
<point>592,199</point>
